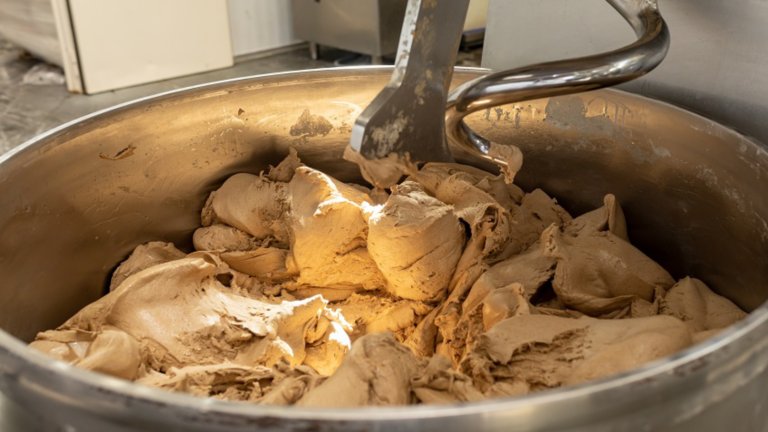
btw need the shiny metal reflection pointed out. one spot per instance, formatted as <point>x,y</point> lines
<point>70,208</point>
<point>560,77</point>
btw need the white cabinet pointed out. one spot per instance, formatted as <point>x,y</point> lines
<point>127,42</point>
<point>109,44</point>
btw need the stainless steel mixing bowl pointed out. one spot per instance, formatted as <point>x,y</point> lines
<point>77,199</point>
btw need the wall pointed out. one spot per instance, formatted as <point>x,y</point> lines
<point>259,25</point>
<point>128,42</point>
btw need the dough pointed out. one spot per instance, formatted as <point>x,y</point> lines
<point>452,286</point>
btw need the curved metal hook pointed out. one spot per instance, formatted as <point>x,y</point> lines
<point>561,77</point>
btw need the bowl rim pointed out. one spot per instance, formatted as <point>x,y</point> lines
<point>108,385</point>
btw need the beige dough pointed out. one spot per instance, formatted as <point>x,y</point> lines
<point>536,352</point>
<point>449,287</point>
<point>377,371</point>
<point>329,226</point>
<point>599,273</point>
<point>250,203</point>
<point>144,256</point>
<point>699,307</point>
<point>416,241</point>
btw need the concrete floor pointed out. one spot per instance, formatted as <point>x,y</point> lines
<point>31,104</point>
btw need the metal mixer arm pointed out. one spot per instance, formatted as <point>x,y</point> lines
<point>561,77</point>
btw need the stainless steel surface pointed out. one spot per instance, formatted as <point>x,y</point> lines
<point>406,116</point>
<point>715,66</point>
<point>562,77</point>
<point>15,419</point>
<point>364,26</point>
<point>30,108</point>
<point>71,207</point>
<point>413,127</point>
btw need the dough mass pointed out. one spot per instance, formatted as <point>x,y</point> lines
<point>452,286</point>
